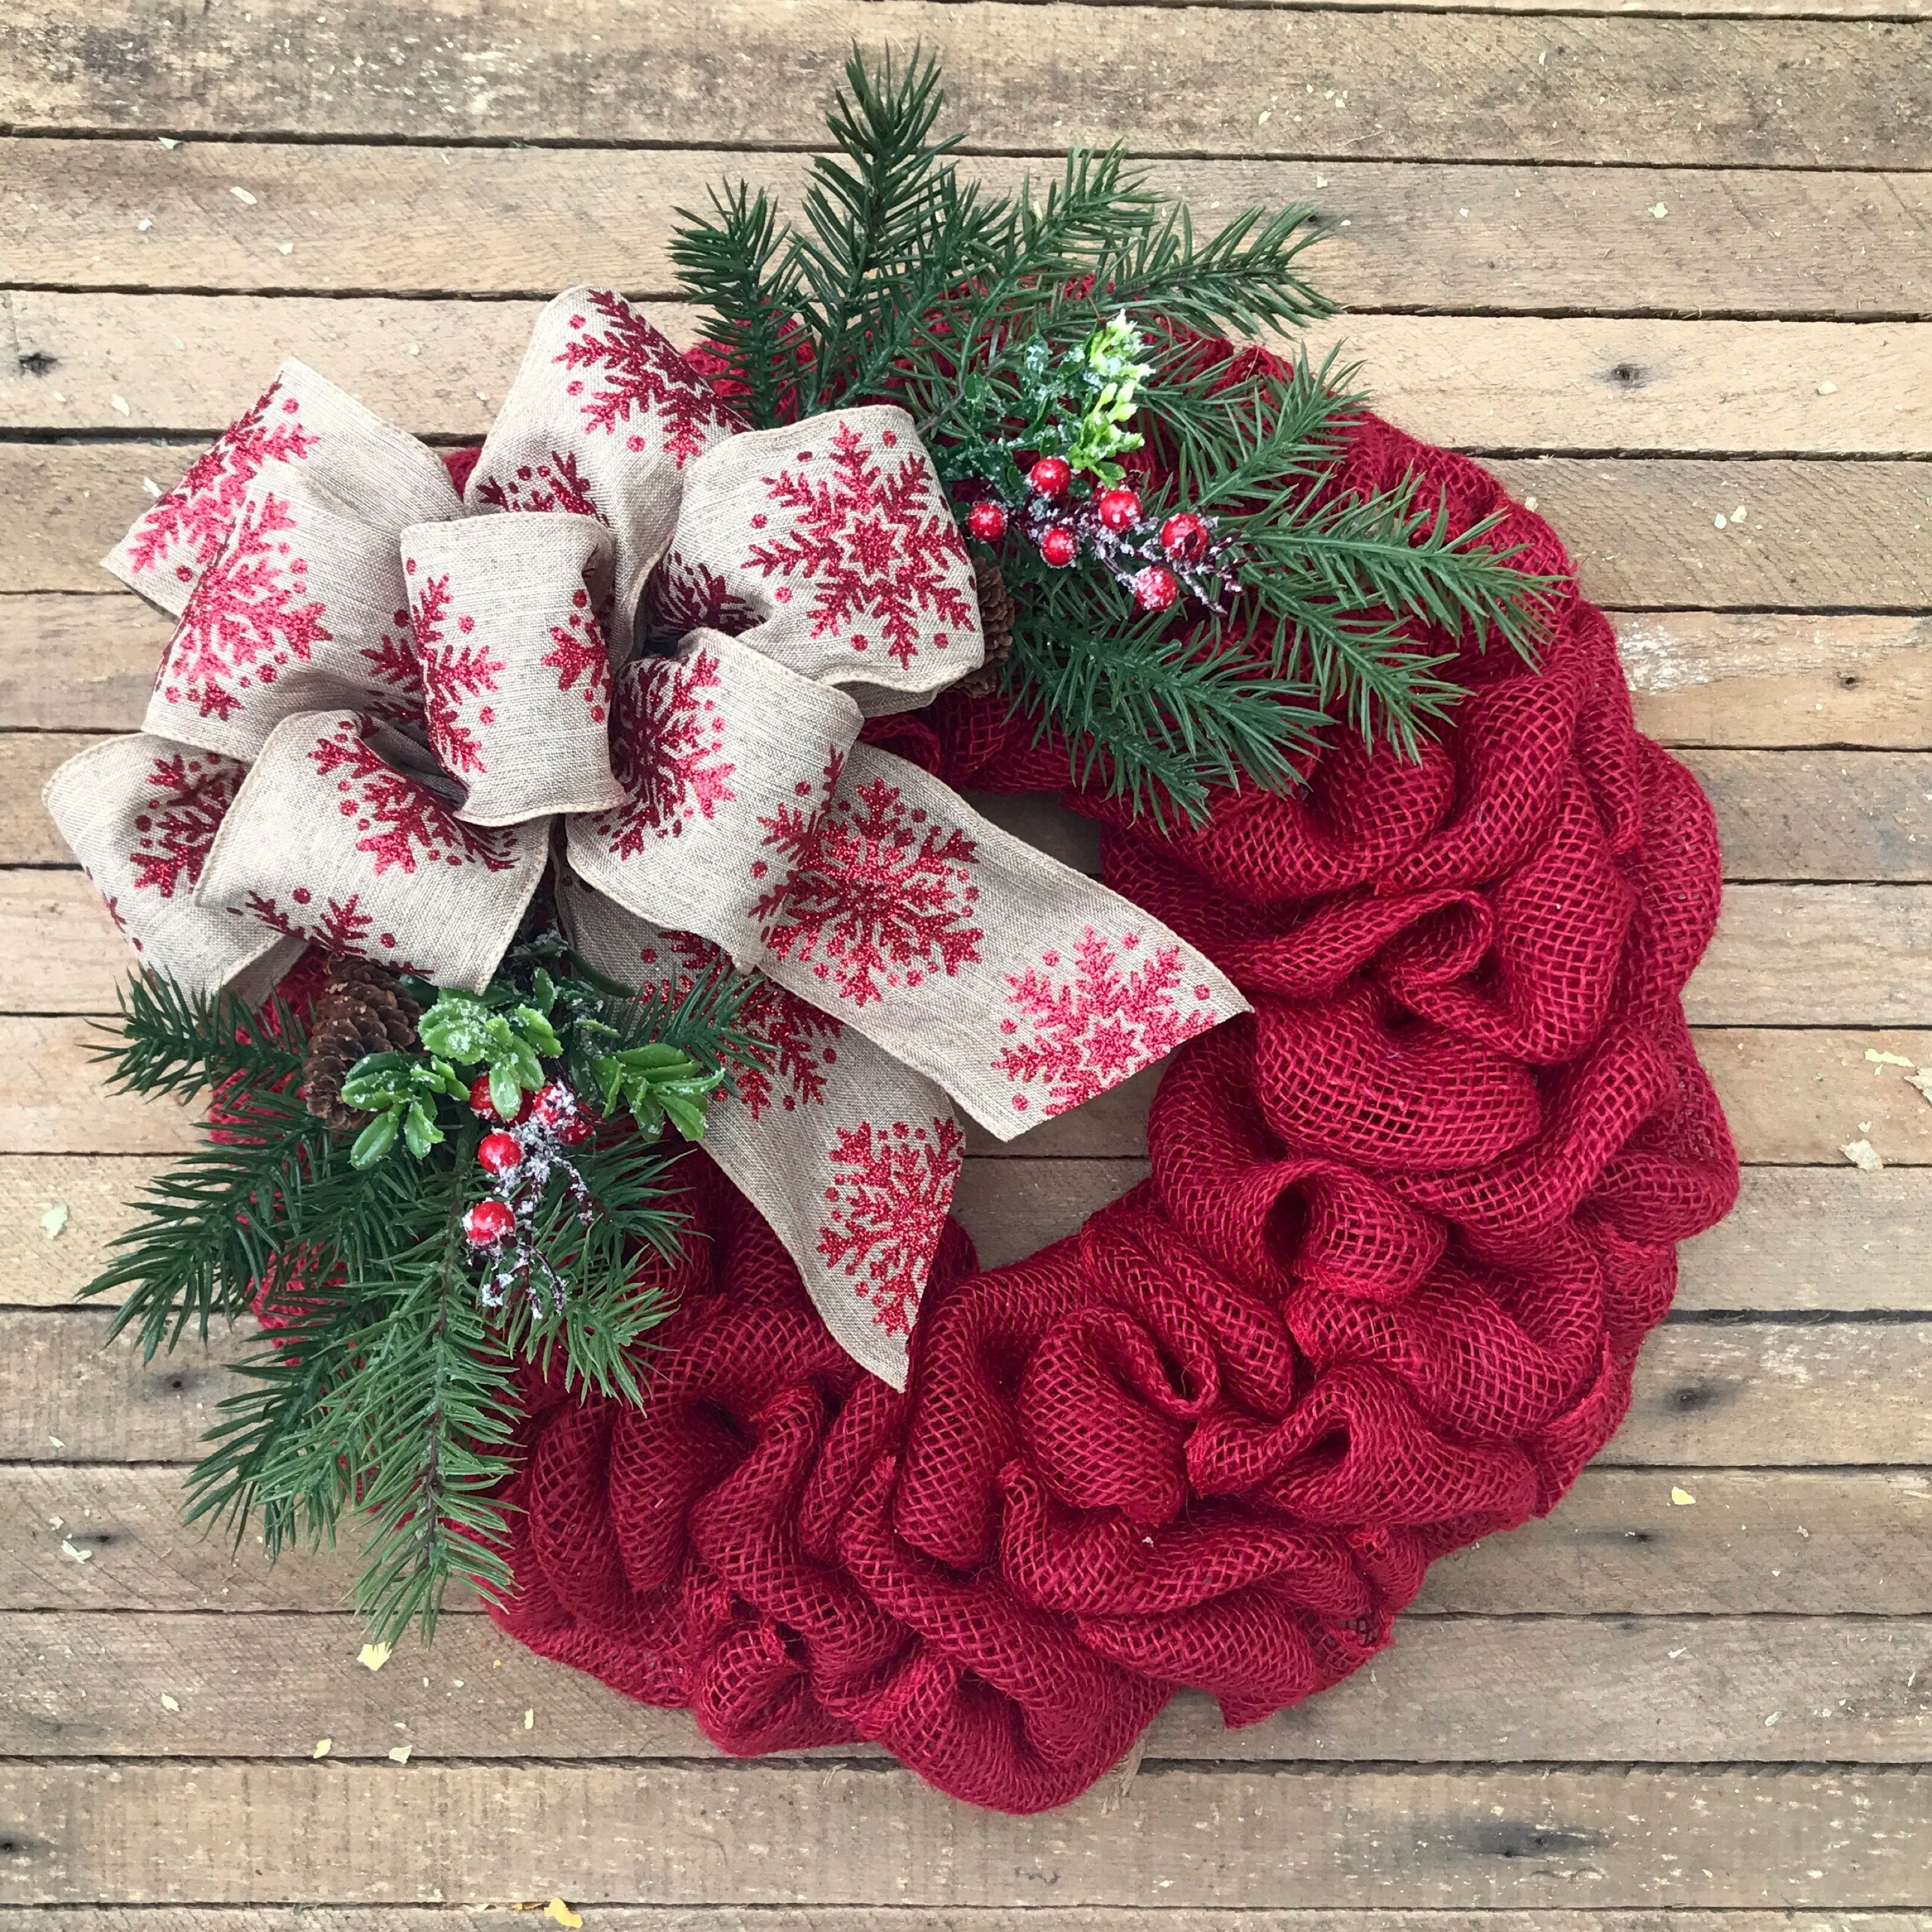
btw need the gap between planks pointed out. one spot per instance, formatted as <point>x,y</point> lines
<point>1178,81</point>
<point>186,364</point>
<point>1432,236</point>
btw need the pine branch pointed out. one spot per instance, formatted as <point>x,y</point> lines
<point>738,268</point>
<point>168,1041</point>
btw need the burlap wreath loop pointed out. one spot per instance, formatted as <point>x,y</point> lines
<point>384,704</point>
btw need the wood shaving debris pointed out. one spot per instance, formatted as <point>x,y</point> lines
<point>54,1221</point>
<point>1879,1059</point>
<point>401,1755</point>
<point>562,1914</point>
<point>145,222</point>
<point>1827,389</point>
<point>169,1703</point>
<point>79,1555</point>
<point>1660,211</point>
<point>1683,1498</point>
<point>242,195</point>
<point>1923,1081</point>
<point>1863,1155</point>
<point>1738,515</point>
<point>286,247</point>
<point>1718,521</point>
<point>1529,502</point>
<point>56,1442</point>
<point>119,404</point>
<point>323,1746</point>
<point>165,142</point>
<point>372,1656</point>
<point>153,488</point>
<point>530,1720</point>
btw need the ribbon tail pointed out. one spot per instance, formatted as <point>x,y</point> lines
<point>849,1156</point>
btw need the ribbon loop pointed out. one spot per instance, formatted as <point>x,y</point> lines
<point>830,547</point>
<point>331,838</point>
<point>516,674</point>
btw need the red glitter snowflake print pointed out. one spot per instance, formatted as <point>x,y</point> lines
<point>803,1040</point>
<point>887,1210</point>
<point>195,516</point>
<point>683,597</point>
<point>667,752</point>
<point>404,819</point>
<point>877,544</point>
<point>577,649</point>
<point>1087,1031</point>
<point>455,674</point>
<point>634,377</point>
<point>188,795</point>
<point>250,617</point>
<point>873,892</point>
<point>341,926</point>
<point>557,483</point>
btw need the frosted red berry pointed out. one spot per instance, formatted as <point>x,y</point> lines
<point>987,521</point>
<point>1156,588</point>
<point>488,1223</point>
<point>1118,509</point>
<point>562,1114</point>
<point>1059,546</point>
<point>484,1108</point>
<point>1050,476</point>
<point>1184,537</point>
<point>499,1152</point>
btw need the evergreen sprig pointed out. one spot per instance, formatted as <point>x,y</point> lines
<point>382,1390</point>
<point>904,283</point>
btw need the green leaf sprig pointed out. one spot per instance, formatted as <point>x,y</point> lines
<point>657,1083</point>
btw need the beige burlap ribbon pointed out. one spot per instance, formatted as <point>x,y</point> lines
<point>387,709</point>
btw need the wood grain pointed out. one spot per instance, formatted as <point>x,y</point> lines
<point>846,1918</point>
<point>1783,1542</point>
<point>710,1833</point>
<point>1173,81</point>
<point>1800,1239</point>
<point>528,221</point>
<point>1793,1098</point>
<point>1757,680</point>
<point>1819,536</point>
<point>1793,956</point>
<point>178,364</point>
<point>1474,1690</point>
<point>1750,1394</point>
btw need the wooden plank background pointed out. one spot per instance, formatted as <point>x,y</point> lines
<point>1662,263</point>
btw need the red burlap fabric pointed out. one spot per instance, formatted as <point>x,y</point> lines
<point>1406,1229</point>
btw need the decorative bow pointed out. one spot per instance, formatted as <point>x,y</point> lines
<point>384,707</point>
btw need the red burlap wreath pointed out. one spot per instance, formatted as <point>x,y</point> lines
<point>1406,1230</point>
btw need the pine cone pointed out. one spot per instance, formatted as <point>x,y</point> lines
<point>997,612</point>
<point>361,1010</point>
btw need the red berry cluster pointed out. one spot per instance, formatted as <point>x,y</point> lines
<point>1156,563</point>
<point>519,1155</point>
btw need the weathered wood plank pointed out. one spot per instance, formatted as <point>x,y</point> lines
<point>1819,536</point>
<point>1800,1239</point>
<point>1793,1098</point>
<point>1703,677</point>
<point>1174,81</point>
<point>1833,955</point>
<point>76,663</point>
<point>1777,1542</point>
<point>1474,1690</point>
<point>527,221</point>
<point>1752,1394</point>
<point>1820,814</point>
<point>178,364</point>
<point>920,1919</point>
<point>719,1833</point>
